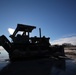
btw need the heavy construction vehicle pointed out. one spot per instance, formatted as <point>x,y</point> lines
<point>23,46</point>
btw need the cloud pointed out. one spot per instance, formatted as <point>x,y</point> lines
<point>1,48</point>
<point>10,30</point>
<point>60,41</point>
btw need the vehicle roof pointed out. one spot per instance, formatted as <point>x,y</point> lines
<point>27,28</point>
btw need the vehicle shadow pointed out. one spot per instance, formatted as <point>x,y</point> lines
<point>33,67</point>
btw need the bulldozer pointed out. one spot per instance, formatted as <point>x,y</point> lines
<point>22,46</point>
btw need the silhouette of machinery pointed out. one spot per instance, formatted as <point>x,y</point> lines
<point>23,46</point>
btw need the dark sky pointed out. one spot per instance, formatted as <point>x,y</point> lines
<point>57,18</point>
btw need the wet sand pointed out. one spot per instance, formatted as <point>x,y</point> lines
<point>39,67</point>
<point>33,67</point>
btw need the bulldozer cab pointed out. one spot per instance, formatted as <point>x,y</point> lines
<point>22,33</point>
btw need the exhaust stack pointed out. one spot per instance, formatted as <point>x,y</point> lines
<point>40,32</point>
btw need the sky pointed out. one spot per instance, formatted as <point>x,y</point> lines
<point>56,18</point>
